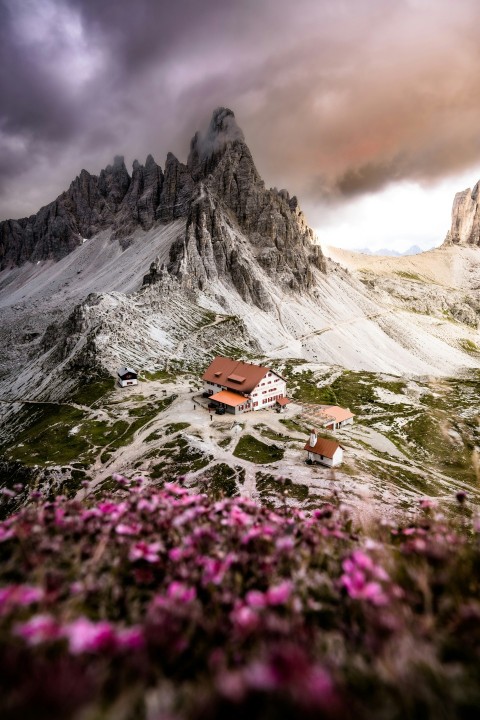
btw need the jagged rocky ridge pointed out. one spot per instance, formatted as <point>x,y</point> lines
<point>465,229</point>
<point>219,192</point>
<point>229,195</point>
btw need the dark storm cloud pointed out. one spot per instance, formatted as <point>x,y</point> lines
<point>336,97</point>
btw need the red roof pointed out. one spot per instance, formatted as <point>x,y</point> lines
<point>324,447</point>
<point>240,376</point>
<point>336,413</point>
<point>229,398</point>
<point>283,401</point>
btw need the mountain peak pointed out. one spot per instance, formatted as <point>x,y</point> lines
<point>222,131</point>
<point>465,229</point>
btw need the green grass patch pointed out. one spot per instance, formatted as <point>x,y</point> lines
<point>275,492</point>
<point>293,425</point>
<point>162,375</point>
<point>177,457</point>
<point>91,392</point>
<point>253,450</point>
<point>410,276</point>
<point>48,438</point>
<point>349,390</point>
<point>175,427</point>
<point>220,481</point>
<point>469,346</point>
<point>272,434</point>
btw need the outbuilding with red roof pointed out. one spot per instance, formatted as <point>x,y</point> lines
<point>323,450</point>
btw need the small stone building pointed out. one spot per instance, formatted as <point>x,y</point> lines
<point>327,452</point>
<point>127,376</point>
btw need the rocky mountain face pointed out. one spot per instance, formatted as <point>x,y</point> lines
<point>465,229</point>
<point>234,225</point>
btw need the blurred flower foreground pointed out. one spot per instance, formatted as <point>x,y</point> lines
<point>162,605</point>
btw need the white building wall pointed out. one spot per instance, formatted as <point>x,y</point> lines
<point>337,457</point>
<point>268,390</point>
<point>124,383</point>
<point>329,462</point>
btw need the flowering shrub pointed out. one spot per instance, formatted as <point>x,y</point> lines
<point>156,604</point>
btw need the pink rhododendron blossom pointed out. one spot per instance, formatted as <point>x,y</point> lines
<point>6,533</point>
<point>181,592</point>
<point>238,517</point>
<point>245,618</point>
<point>261,676</point>
<point>86,636</point>
<point>285,543</point>
<point>361,576</point>
<point>132,638</point>
<point>175,489</point>
<point>362,561</point>
<point>146,551</point>
<point>113,510</point>
<point>214,569</point>
<point>279,594</point>
<point>427,503</point>
<point>76,588</point>
<point>7,492</point>
<point>20,595</point>
<point>39,629</point>
<point>126,529</point>
<point>256,599</point>
<point>176,554</point>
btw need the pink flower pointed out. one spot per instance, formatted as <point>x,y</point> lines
<point>361,576</point>
<point>362,561</point>
<point>148,505</point>
<point>124,529</point>
<point>426,503</point>
<point>131,638</point>
<point>146,551</point>
<point>176,554</point>
<point>5,533</point>
<point>238,517</point>
<point>8,493</point>
<point>244,617</point>
<point>114,510</point>
<point>279,594</point>
<point>38,629</point>
<point>255,598</point>
<point>86,636</point>
<point>182,593</point>
<point>175,489</point>
<point>20,595</point>
<point>285,543</point>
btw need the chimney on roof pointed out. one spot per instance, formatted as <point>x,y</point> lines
<point>313,438</point>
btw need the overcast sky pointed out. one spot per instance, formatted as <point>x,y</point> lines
<point>368,110</point>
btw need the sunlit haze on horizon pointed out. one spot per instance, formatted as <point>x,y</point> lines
<point>397,218</point>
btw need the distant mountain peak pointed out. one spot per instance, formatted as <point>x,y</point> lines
<point>465,228</point>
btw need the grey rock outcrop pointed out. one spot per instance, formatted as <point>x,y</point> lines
<point>177,191</point>
<point>236,228</point>
<point>235,224</point>
<point>465,229</point>
<point>140,202</point>
<point>112,200</point>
